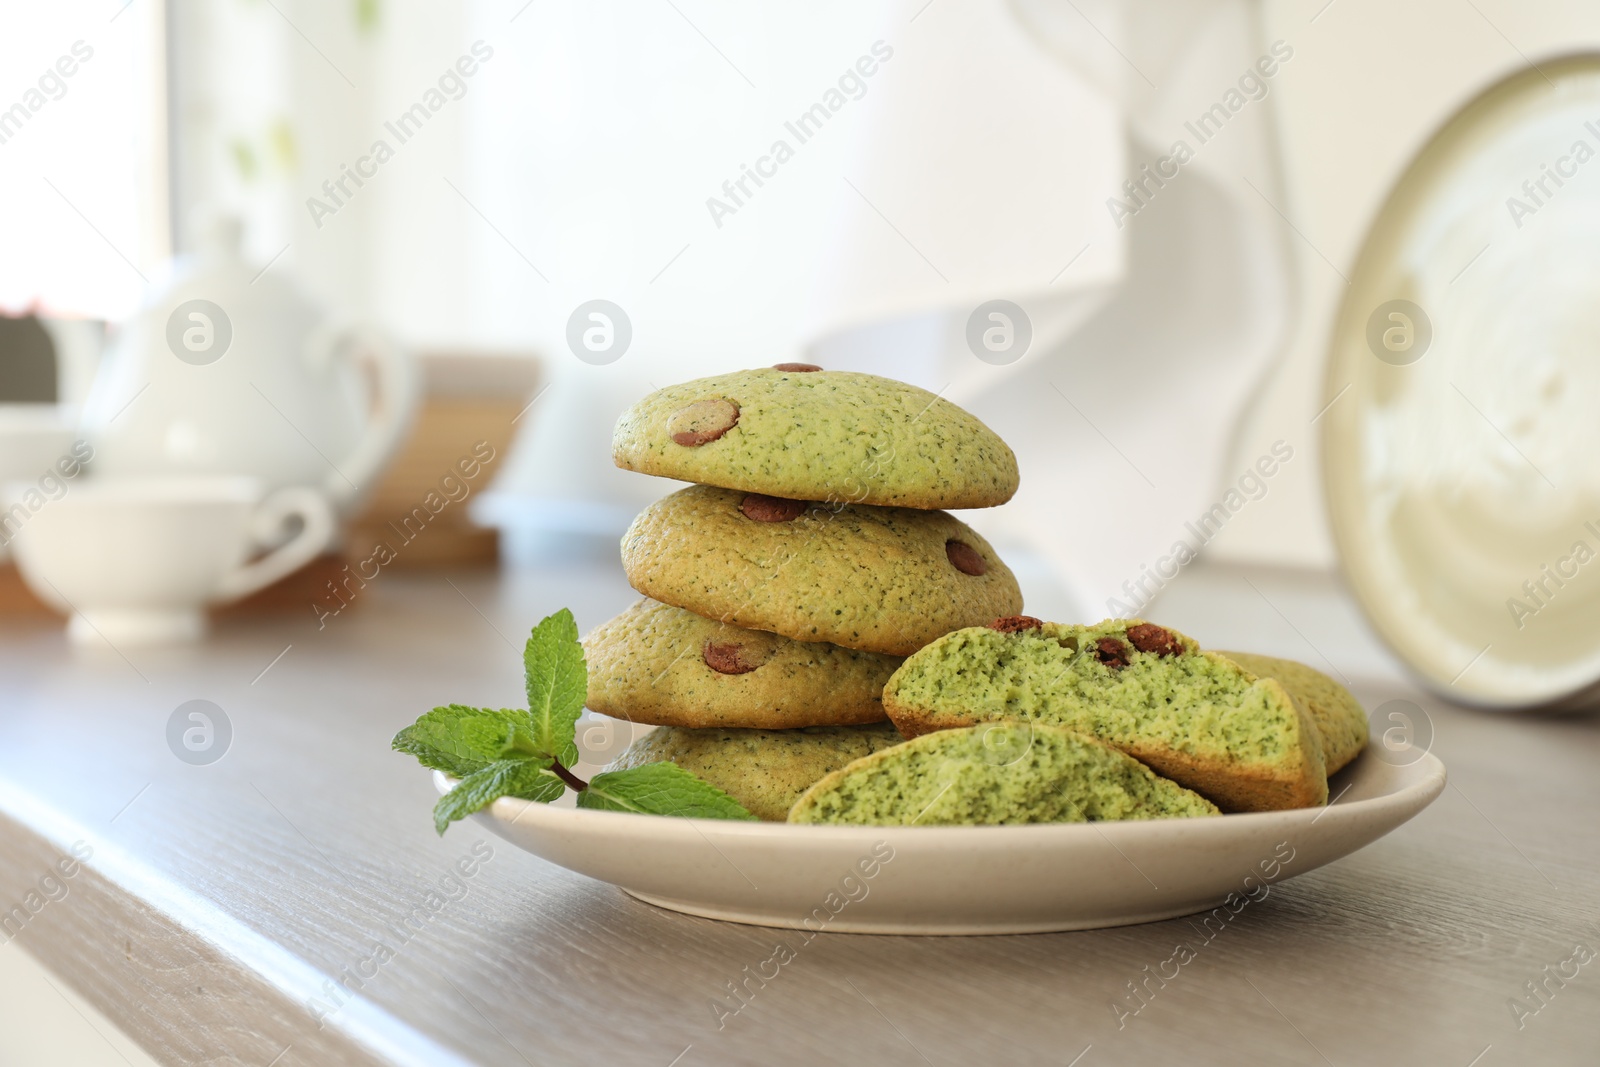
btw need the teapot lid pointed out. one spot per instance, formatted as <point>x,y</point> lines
<point>215,268</point>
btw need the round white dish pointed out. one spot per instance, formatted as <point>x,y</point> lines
<point>967,880</point>
<point>35,448</point>
<point>1459,433</point>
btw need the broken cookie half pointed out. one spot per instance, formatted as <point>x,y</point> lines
<point>1196,717</point>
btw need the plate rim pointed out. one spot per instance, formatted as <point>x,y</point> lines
<point>509,810</point>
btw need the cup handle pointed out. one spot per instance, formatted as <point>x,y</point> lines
<point>316,531</point>
<point>398,391</point>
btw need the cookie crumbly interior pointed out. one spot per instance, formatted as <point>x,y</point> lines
<point>1196,717</point>
<point>1001,775</point>
<point>1194,702</point>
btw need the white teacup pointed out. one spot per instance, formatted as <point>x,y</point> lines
<point>135,561</point>
<point>36,443</point>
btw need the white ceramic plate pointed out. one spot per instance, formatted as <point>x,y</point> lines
<point>966,880</point>
<point>1460,437</point>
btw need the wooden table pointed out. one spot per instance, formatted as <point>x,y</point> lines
<point>222,903</point>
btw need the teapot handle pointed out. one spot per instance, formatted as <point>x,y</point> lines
<point>398,394</point>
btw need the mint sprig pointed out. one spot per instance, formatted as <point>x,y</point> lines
<point>529,779</point>
<point>558,683</point>
<point>459,740</point>
<point>527,752</point>
<point>660,789</point>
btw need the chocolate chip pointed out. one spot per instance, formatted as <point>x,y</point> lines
<point>763,508</point>
<point>1148,637</point>
<point>703,421</point>
<point>1016,624</point>
<point>796,368</point>
<point>965,558</point>
<point>727,659</point>
<point>1112,653</point>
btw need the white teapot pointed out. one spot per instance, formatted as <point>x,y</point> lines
<point>230,370</point>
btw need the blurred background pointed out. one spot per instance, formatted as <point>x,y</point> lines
<point>404,239</point>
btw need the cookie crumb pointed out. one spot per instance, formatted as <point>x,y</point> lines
<point>796,368</point>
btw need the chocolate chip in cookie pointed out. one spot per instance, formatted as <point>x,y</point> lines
<point>763,508</point>
<point>1148,637</point>
<point>964,558</point>
<point>729,658</point>
<point>703,421</point>
<point>1112,653</point>
<point>1016,624</point>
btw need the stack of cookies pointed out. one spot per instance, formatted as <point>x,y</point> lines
<point>811,556</point>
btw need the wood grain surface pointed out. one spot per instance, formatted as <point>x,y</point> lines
<point>223,904</point>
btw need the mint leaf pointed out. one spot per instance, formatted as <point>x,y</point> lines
<point>660,789</point>
<point>558,684</point>
<point>528,779</point>
<point>459,740</point>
